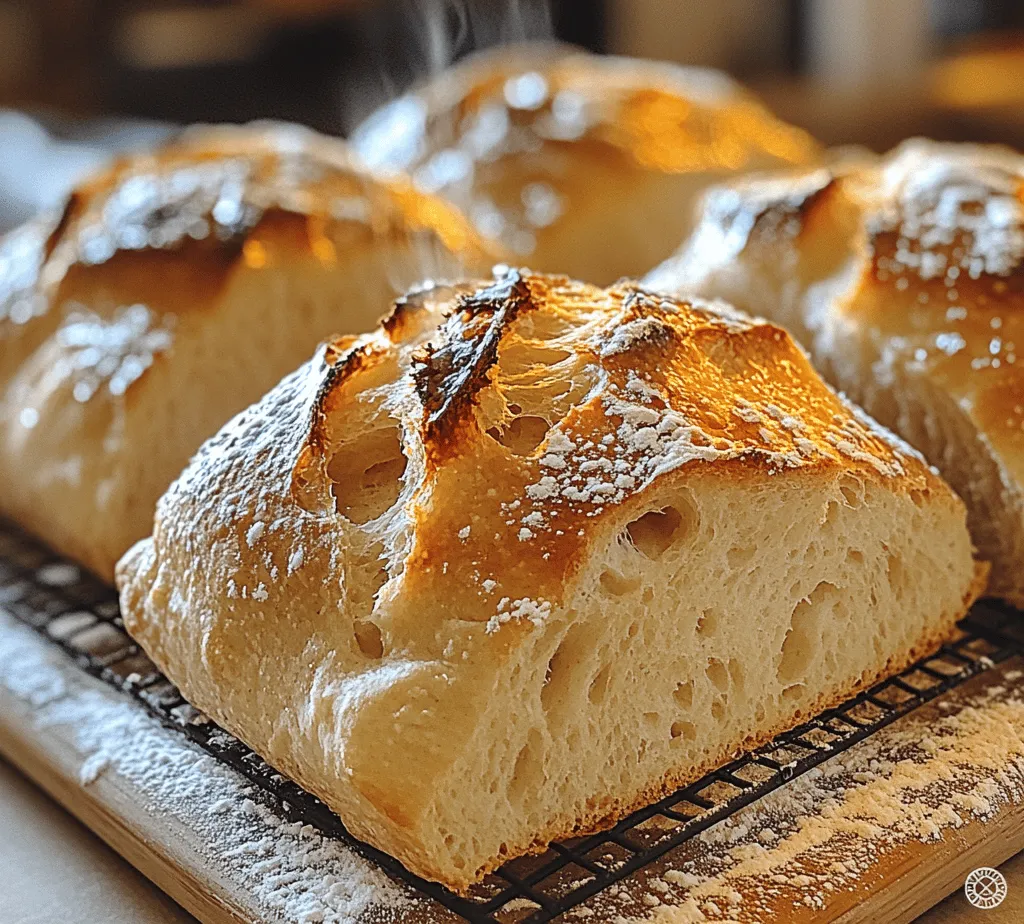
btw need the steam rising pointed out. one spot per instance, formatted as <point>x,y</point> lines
<point>452,28</point>
<point>416,39</point>
<point>429,36</point>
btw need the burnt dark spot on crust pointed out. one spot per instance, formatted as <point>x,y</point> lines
<point>449,377</point>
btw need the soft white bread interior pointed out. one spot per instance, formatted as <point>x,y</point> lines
<point>905,279</point>
<point>535,553</point>
<point>578,163</point>
<point>175,289</point>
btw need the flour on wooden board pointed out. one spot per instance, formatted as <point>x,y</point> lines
<point>293,872</point>
<point>821,834</point>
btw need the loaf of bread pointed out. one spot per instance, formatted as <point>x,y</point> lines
<point>173,291</point>
<point>905,279</point>
<point>578,163</point>
<point>535,553</point>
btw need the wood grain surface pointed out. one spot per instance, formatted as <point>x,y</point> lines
<point>165,855</point>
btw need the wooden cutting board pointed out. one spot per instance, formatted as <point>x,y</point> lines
<point>45,729</point>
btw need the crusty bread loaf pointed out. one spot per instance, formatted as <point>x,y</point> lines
<point>534,553</point>
<point>578,163</point>
<point>175,289</point>
<point>905,279</point>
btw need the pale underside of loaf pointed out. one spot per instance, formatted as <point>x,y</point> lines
<point>178,288</point>
<point>904,281</point>
<point>406,629</point>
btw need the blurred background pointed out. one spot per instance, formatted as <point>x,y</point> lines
<point>80,78</point>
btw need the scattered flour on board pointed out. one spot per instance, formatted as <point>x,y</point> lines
<point>822,834</point>
<point>296,875</point>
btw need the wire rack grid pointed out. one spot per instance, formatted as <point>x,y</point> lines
<point>79,613</point>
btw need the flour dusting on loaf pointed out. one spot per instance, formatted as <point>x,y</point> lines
<point>905,279</point>
<point>560,548</point>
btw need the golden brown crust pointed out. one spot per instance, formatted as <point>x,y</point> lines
<point>660,115</point>
<point>167,229</point>
<point>700,375</point>
<point>173,289</point>
<point>531,140</point>
<point>905,277</point>
<point>939,235</point>
<point>944,285</point>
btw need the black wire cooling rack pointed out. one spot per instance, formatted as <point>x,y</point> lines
<point>80,614</point>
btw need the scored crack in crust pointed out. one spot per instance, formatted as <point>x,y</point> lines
<point>449,377</point>
<point>527,520</point>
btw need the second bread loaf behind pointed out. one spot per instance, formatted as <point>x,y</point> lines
<point>905,280</point>
<point>174,290</point>
<point>578,163</point>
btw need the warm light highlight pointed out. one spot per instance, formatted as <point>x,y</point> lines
<point>255,254</point>
<point>992,78</point>
<point>320,244</point>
